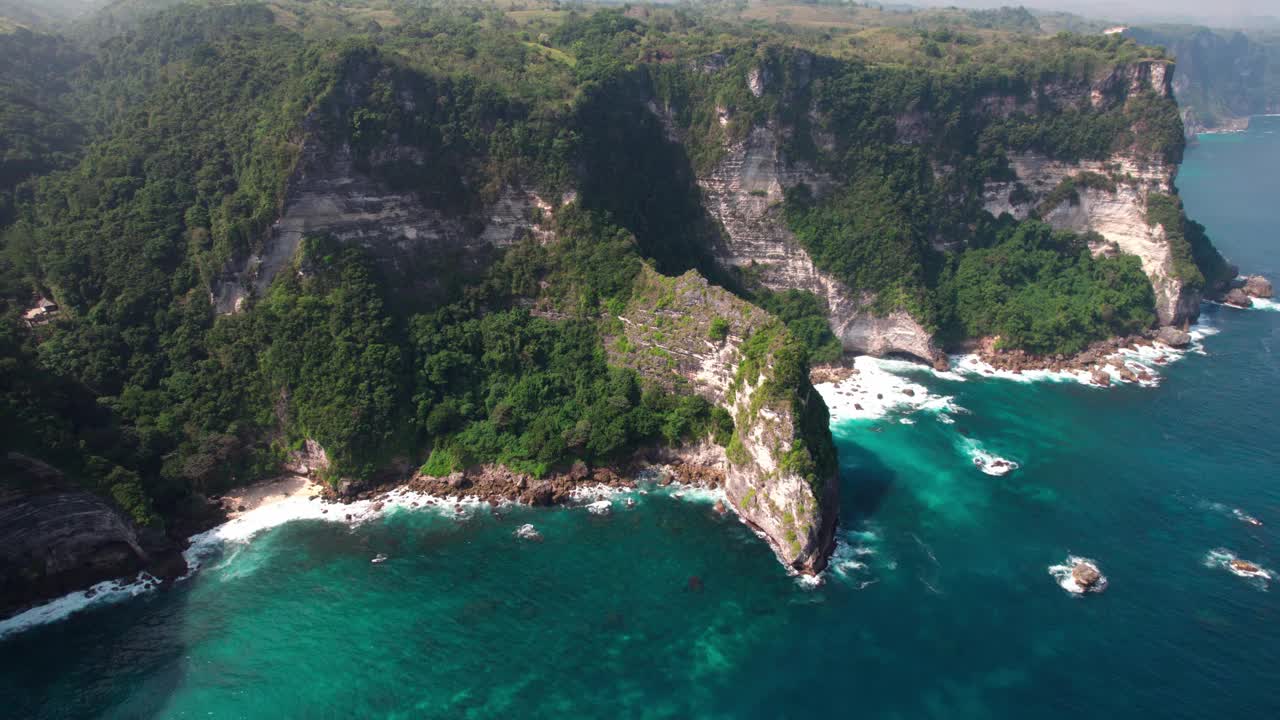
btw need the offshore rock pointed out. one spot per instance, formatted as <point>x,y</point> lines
<point>1173,337</point>
<point>1085,575</point>
<point>1238,298</point>
<point>1257,286</point>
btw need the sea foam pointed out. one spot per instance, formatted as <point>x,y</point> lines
<point>1227,560</point>
<point>104,593</point>
<point>878,388</point>
<point>238,531</point>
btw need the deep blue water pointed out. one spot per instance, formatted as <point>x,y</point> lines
<point>943,605</point>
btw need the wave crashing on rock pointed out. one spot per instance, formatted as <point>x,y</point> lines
<point>1079,575</point>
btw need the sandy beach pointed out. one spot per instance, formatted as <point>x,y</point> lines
<point>246,499</point>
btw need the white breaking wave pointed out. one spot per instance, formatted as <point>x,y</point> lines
<point>877,388</point>
<point>1062,573</point>
<point>104,593</point>
<point>851,560</point>
<point>984,460</point>
<point>1266,304</point>
<point>1141,360</point>
<point>528,532</point>
<point>1227,560</point>
<point>238,531</point>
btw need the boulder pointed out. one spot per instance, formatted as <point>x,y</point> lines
<point>1085,575</point>
<point>542,495</point>
<point>1101,377</point>
<point>1173,337</point>
<point>1237,298</point>
<point>1257,286</point>
<point>1244,566</point>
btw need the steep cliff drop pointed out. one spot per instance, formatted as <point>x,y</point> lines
<point>744,191</point>
<point>1110,197</point>
<point>780,463</point>
<point>57,537</point>
<point>426,239</point>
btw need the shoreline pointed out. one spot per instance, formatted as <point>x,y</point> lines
<point>240,501</point>
<point>257,507</point>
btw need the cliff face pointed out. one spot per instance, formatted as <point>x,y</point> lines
<point>780,474</point>
<point>411,201</point>
<point>1118,213</point>
<point>418,244</point>
<point>744,191</point>
<point>1223,76</point>
<point>56,537</point>
<point>1108,197</point>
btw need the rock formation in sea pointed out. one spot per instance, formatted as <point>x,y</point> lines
<point>1257,286</point>
<point>1085,575</point>
<point>779,465</point>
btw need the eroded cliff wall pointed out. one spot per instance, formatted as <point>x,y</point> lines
<point>744,191</point>
<point>1118,213</point>
<point>780,471</point>
<point>421,246</point>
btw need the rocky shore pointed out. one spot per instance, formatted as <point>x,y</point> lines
<point>497,485</point>
<point>1245,289</point>
<point>58,537</point>
<point>1094,360</point>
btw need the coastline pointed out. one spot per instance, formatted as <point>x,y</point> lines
<point>243,500</point>
<point>257,507</point>
<point>869,388</point>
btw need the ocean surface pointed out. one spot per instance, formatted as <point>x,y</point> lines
<point>940,604</point>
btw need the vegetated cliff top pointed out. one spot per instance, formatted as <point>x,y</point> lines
<point>194,119</point>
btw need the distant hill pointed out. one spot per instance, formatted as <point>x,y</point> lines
<point>44,14</point>
<point>1223,76</point>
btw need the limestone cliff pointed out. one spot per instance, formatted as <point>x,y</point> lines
<point>745,187</point>
<point>1110,196</point>
<point>427,216</point>
<point>780,468</point>
<point>744,191</point>
<point>417,242</point>
<point>1115,209</point>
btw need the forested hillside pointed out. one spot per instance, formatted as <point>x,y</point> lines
<point>1224,76</point>
<point>149,171</point>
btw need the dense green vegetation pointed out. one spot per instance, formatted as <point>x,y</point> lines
<point>1196,261</point>
<point>1043,291</point>
<point>140,162</point>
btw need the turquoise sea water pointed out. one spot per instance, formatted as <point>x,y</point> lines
<point>942,604</point>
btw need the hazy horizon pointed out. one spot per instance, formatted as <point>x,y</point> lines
<point>1241,14</point>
